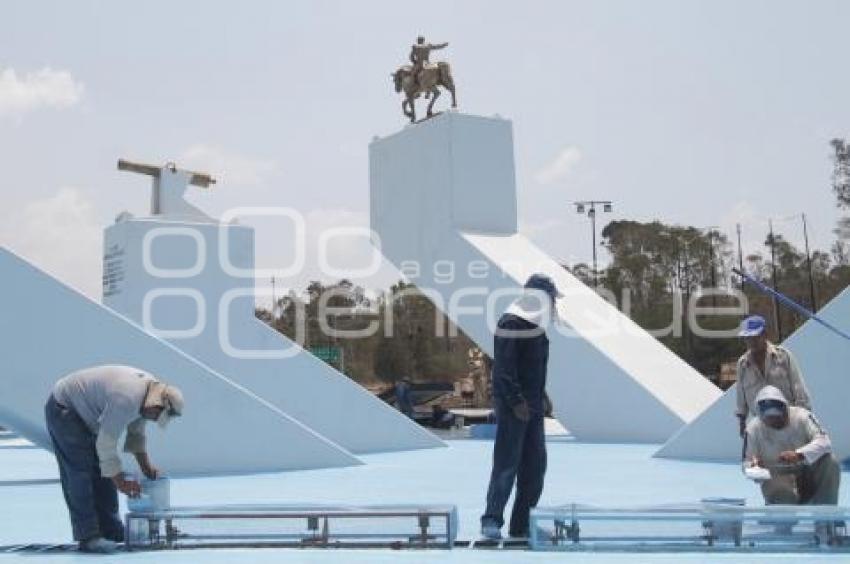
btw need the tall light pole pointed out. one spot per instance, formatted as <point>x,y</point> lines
<point>814,303</point>
<point>775,283</point>
<point>274,300</point>
<point>590,207</point>
<point>712,271</point>
<point>740,254</point>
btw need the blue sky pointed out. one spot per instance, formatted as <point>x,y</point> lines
<point>701,113</point>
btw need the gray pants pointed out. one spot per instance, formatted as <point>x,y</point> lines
<point>811,485</point>
<point>92,499</point>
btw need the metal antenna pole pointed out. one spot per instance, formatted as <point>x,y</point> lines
<point>712,270</point>
<point>812,297</point>
<point>592,214</point>
<point>711,259</point>
<point>740,253</point>
<point>775,283</point>
<point>274,300</point>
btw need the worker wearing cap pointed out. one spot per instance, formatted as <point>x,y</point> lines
<point>521,353</point>
<point>765,364</point>
<point>789,442</point>
<point>86,414</point>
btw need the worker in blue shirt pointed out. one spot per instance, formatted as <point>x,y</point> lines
<point>521,353</point>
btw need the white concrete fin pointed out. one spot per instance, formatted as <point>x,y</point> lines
<point>48,330</point>
<point>193,285</point>
<point>823,357</point>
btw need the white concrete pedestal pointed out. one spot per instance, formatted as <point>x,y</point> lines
<point>443,199</point>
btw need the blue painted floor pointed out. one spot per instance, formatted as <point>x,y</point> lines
<point>585,473</point>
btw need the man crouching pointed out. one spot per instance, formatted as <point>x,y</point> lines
<point>790,443</point>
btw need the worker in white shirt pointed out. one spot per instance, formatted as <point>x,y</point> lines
<point>790,443</point>
<point>86,414</point>
<point>765,364</point>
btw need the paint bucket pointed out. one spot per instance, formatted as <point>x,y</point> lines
<point>155,496</point>
<point>722,528</point>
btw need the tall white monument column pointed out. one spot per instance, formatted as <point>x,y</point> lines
<point>190,279</point>
<point>444,205</point>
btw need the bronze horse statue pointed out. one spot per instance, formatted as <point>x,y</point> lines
<point>431,76</point>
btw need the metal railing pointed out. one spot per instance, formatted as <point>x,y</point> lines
<point>711,527</point>
<point>257,526</point>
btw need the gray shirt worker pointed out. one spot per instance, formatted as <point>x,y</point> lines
<point>86,413</point>
<point>108,399</point>
<point>780,370</point>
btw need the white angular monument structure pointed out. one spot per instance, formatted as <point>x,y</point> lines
<point>823,357</point>
<point>48,330</point>
<point>190,279</point>
<point>444,206</point>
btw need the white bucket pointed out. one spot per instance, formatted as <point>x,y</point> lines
<point>724,528</point>
<point>155,496</point>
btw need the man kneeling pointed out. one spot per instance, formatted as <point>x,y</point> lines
<point>790,443</point>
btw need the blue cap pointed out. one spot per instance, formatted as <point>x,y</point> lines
<point>753,326</point>
<point>542,282</point>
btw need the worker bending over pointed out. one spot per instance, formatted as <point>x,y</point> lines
<point>790,443</point>
<point>521,354</point>
<point>86,414</point>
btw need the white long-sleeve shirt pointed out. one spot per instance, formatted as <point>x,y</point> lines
<point>109,400</point>
<point>803,434</point>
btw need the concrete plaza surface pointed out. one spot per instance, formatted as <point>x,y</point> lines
<point>599,474</point>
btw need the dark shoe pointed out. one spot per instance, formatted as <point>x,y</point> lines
<point>98,545</point>
<point>491,531</point>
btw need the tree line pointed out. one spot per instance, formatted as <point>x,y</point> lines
<point>654,271</point>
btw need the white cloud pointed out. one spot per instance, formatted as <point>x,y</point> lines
<point>232,168</point>
<point>45,88</point>
<point>60,235</point>
<point>560,166</point>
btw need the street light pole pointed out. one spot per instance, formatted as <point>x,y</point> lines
<point>814,303</point>
<point>740,254</point>
<point>775,283</point>
<point>592,215</point>
<point>590,205</point>
<point>274,300</point>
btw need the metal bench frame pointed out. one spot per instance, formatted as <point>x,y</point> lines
<point>723,528</point>
<point>161,532</point>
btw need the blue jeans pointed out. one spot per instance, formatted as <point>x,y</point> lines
<point>92,499</point>
<point>519,455</point>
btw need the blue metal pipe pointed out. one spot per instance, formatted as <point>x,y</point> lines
<point>791,303</point>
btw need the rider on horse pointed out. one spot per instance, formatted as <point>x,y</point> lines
<point>419,54</point>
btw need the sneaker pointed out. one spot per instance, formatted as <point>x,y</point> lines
<point>98,545</point>
<point>491,531</point>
